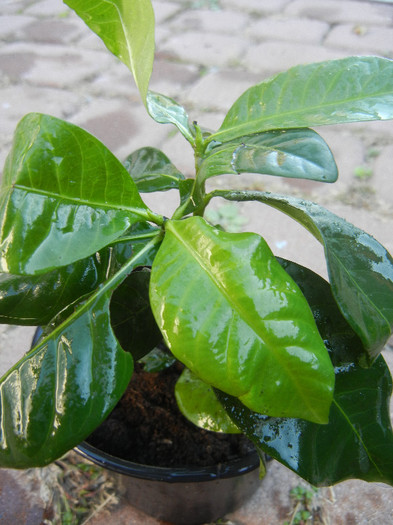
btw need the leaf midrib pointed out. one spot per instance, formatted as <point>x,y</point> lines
<point>142,212</point>
<point>265,150</point>
<point>273,117</point>
<point>240,312</point>
<point>125,35</point>
<point>359,437</point>
<point>359,288</point>
<point>273,199</point>
<point>105,289</point>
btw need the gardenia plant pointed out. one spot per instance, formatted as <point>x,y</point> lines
<point>270,348</point>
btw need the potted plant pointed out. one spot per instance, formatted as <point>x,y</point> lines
<point>269,348</point>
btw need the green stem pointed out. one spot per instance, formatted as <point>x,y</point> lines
<point>133,238</point>
<point>111,284</point>
<point>200,210</point>
<point>199,145</point>
<point>194,202</point>
<point>198,192</point>
<point>155,217</point>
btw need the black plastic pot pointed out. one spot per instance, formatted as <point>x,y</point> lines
<point>183,496</point>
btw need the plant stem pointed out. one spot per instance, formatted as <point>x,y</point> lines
<point>132,238</point>
<point>195,202</point>
<point>105,288</point>
<point>198,192</point>
<point>155,217</point>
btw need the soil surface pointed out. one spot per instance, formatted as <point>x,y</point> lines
<point>147,427</point>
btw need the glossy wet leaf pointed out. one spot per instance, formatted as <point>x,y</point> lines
<point>232,315</point>
<point>164,110</point>
<point>158,359</point>
<point>190,198</point>
<point>131,316</point>
<point>185,189</point>
<point>337,91</point>
<point>199,404</point>
<point>60,391</point>
<point>35,299</point>
<point>343,344</point>
<point>151,170</point>
<point>360,268</point>
<point>294,153</point>
<point>55,397</point>
<point>358,441</point>
<point>64,196</point>
<point>134,240</point>
<point>127,30</point>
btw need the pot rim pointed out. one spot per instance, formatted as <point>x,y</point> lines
<point>236,467</point>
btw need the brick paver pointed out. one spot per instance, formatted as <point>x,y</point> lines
<point>289,29</point>
<point>207,49</point>
<point>278,56</point>
<point>341,11</point>
<point>357,39</point>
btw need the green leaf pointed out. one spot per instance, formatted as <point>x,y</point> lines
<point>358,441</point>
<point>343,344</point>
<point>64,196</point>
<point>151,170</point>
<point>131,316</point>
<point>35,299</point>
<point>127,30</point>
<point>164,110</point>
<point>186,188</point>
<point>134,239</point>
<point>235,318</point>
<point>199,404</point>
<point>158,359</point>
<point>61,390</point>
<point>190,198</point>
<point>294,153</point>
<point>346,90</point>
<point>360,268</point>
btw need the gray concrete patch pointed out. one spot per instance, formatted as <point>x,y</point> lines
<point>218,90</point>
<point>12,7</point>
<point>48,8</point>
<point>357,39</point>
<point>19,100</point>
<point>165,10</point>
<point>51,66</point>
<point>173,78</point>
<point>274,57</point>
<point>339,11</point>
<point>51,31</point>
<point>292,30</point>
<point>204,20</point>
<point>383,179</point>
<point>122,129</point>
<point>18,504</point>
<point>13,24</point>
<point>15,341</point>
<point>259,7</point>
<point>206,49</point>
<point>115,83</point>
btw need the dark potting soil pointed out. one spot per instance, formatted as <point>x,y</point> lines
<point>147,427</point>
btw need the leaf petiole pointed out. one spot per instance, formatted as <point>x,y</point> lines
<point>108,287</point>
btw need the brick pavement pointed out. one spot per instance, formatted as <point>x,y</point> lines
<point>208,53</point>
